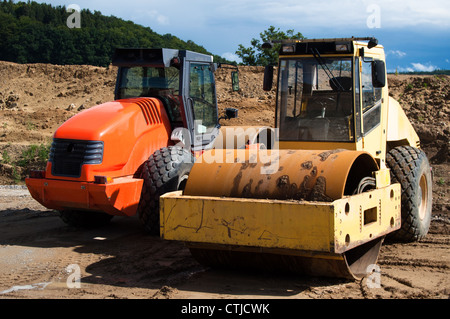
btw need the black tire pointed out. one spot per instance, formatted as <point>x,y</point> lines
<point>165,171</point>
<point>410,167</point>
<point>85,219</point>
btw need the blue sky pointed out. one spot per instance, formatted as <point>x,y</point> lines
<point>415,33</point>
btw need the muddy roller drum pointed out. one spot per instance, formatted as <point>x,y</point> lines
<point>291,176</point>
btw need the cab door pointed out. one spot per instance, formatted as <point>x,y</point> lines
<point>371,99</point>
<point>202,103</point>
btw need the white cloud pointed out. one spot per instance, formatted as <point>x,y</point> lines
<point>332,14</point>
<point>397,53</point>
<point>231,57</point>
<point>159,18</point>
<point>417,67</point>
<point>292,13</point>
<point>423,68</point>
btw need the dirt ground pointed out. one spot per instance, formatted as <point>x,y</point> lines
<point>120,261</point>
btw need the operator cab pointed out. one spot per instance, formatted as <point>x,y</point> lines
<point>182,80</point>
<point>328,91</point>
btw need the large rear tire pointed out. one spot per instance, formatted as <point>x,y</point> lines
<point>410,167</point>
<point>165,171</point>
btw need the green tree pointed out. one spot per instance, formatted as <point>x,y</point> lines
<point>256,55</point>
<point>31,32</point>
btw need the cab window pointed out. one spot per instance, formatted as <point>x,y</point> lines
<point>203,96</point>
<point>162,83</point>
<point>315,99</point>
<point>371,99</point>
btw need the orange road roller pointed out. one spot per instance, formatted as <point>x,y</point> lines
<point>117,158</point>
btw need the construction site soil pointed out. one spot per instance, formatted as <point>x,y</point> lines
<point>40,255</point>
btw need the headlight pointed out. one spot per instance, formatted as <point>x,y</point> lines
<point>288,49</point>
<point>342,48</point>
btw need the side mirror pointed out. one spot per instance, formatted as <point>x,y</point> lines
<point>268,78</point>
<point>231,113</point>
<point>378,73</point>
<point>372,43</point>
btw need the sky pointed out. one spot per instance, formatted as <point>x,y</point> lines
<point>414,33</point>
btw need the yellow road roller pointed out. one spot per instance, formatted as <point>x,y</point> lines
<point>341,170</point>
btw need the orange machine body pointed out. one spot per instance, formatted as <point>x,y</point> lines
<point>120,135</point>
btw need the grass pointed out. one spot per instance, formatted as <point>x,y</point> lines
<point>6,159</point>
<point>30,126</point>
<point>16,175</point>
<point>34,154</point>
<point>33,157</point>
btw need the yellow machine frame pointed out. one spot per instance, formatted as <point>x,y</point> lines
<point>278,224</point>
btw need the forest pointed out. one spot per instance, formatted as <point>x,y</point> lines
<point>39,33</point>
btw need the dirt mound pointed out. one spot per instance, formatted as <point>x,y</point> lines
<point>36,98</point>
<point>256,107</point>
<point>425,100</point>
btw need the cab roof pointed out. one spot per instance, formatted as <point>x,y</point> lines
<point>129,57</point>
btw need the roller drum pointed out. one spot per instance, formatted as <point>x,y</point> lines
<point>284,174</point>
<point>311,175</point>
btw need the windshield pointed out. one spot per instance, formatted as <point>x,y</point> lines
<point>162,83</point>
<point>315,99</point>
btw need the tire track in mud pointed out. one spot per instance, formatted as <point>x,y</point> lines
<point>414,270</point>
<point>24,270</point>
<point>152,264</point>
<point>127,262</point>
<point>36,247</point>
<point>121,261</point>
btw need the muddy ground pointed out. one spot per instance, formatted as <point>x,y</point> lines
<point>120,261</point>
